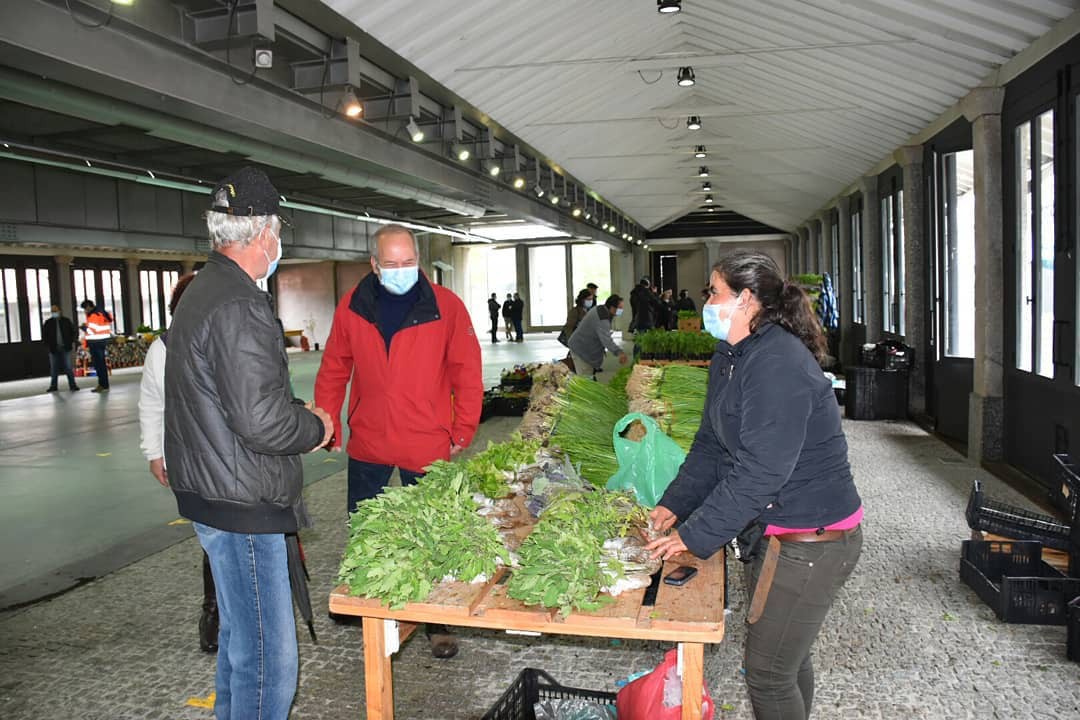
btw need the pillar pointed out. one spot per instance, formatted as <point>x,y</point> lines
<point>134,296</point>
<point>982,107</point>
<point>916,312</point>
<point>188,266</point>
<point>871,246</point>
<point>63,297</point>
<point>845,283</point>
<point>825,243</point>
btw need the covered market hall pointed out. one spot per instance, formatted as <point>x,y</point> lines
<point>572,175</point>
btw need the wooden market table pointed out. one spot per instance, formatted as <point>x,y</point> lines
<point>691,616</point>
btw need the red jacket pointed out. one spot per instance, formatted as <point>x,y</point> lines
<point>408,404</point>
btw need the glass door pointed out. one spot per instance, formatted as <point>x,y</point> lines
<point>26,297</point>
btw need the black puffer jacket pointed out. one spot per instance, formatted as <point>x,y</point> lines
<point>233,433</point>
<point>770,447</point>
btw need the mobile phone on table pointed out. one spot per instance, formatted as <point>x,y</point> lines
<point>680,575</point>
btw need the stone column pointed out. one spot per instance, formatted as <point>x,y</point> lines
<point>814,255</point>
<point>188,266</point>
<point>871,246</point>
<point>825,243</point>
<point>982,106</point>
<point>844,283</point>
<point>134,296</point>
<point>916,311</point>
<point>801,242</point>
<point>63,298</point>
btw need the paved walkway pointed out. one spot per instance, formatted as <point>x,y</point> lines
<point>905,640</point>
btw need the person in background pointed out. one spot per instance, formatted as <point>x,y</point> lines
<point>410,350</point>
<point>644,306</point>
<point>99,334</point>
<point>592,338</point>
<point>517,314</point>
<point>685,302</point>
<point>152,443</point>
<point>578,310</point>
<point>493,312</point>
<point>669,317</point>
<point>234,434</point>
<point>508,316</point>
<point>768,467</point>
<point>594,290</point>
<point>59,336</point>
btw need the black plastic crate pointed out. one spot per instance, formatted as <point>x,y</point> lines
<point>1012,522</point>
<point>1072,626</point>
<point>1067,491</point>
<point>532,686</point>
<point>1012,579</point>
<point>875,394</point>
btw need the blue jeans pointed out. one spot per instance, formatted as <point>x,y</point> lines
<point>97,356</point>
<point>61,362</point>
<point>518,329</point>
<point>257,656</point>
<point>366,480</point>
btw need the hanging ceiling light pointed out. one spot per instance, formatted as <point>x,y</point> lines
<point>693,123</point>
<point>699,152</point>
<point>638,242</point>
<point>625,236</point>
<point>630,238</point>
<point>712,209</point>
<point>708,199</point>
<point>686,76</point>
<point>645,247</point>
<point>493,168</point>
<point>554,199</point>
<point>576,212</point>
<point>350,104</point>
<point>706,186</point>
<point>668,7</point>
<point>539,190</point>
<point>414,130</point>
<point>519,182</point>
<point>588,215</point>
<point>460,151</point>
<point>703,171</point>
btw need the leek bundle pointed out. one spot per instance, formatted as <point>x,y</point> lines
<point>583,428</point>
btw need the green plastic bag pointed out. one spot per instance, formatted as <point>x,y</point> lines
<point>649,465</point>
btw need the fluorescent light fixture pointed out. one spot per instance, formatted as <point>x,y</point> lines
<point>703,171</point>
<point>493,168</point>
<point>350,104</point>
<point>668,7</point>
<point>706,186</point>
<point>415,132</point>
<point>576,212</point>
<point>519,182</point>
<point>693,123</point>
<point>123,2</point>
<point>699,152</point>
<point>708,199</point>
<point>712,209</point>
<point>686,76</point>
<point>461,152</point>
<point>516,231</point>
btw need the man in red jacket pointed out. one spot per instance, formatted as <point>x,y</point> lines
<point>411,352</point>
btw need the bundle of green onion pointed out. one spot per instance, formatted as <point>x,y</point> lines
<point>683,389</point>
<point>584,426</point>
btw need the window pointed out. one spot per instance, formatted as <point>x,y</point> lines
<point>591,264</point>
<point>858,286</point>
<point>39,297</point>
<point>957,229</point>
<point>85,287</point>
<point>1035,245</point>
<point>834,249</point>
<point>148,286</point>
<point>892,262</point>
<point>10,330</point>
<point>168,283</point>
<point>112,292</point>
<point>548,299</point>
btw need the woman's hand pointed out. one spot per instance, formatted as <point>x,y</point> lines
<point>661,519</point>
<point>667,546</point>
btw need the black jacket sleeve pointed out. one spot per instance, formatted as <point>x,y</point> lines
<point>252,381</point>
<point>776,407</point>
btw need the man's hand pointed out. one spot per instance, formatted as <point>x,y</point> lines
<point>623,358</point>
<point>667,546</point>
<point>157,469</point>
<point>328,425</point>
<point>661,519</point>
<point>456,449</point>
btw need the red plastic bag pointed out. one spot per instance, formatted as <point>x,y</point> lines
<point>658,695</point>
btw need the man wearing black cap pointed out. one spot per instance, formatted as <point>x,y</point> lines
<point>234,434</point>
<point>645,306</point>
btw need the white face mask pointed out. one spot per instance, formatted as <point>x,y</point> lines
<point>588,303</point>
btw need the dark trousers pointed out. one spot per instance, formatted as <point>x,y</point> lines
<point>366,480</point>
<point>779,670</point>
<point>494,328</point>
<point>97,357</point>
<point>61,362</point>
<point>518,330</point>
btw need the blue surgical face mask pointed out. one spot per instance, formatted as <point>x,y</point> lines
<point>399,280</point>
<point>55,314</point>
<point>716,326</point>
<point>588,303</point>
<point>618,312</point>
<point>272,263</point>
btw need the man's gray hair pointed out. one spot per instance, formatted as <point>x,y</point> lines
<point>393,229</point>
<point>237,230</point>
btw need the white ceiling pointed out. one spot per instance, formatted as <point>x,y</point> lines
<point>798,97</point>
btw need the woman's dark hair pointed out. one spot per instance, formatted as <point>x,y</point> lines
<point>582,296</point>
<point>612,302</point>
<point>782,302</point>
<point>178,290</point>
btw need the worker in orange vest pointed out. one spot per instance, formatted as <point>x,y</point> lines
<point>99,334</point>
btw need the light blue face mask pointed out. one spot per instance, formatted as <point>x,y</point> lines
<point>399,280</point>
<point>588,303</point>
<point>272,263</point>
<point>618,312</point>
<point>716,326</point>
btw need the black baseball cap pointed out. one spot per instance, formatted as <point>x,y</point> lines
<point>246,192</point>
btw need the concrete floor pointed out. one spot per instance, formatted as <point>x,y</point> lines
<point>76,499</point>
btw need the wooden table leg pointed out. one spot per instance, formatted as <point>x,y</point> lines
<point>693,672</point>
<point>378,676</point>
